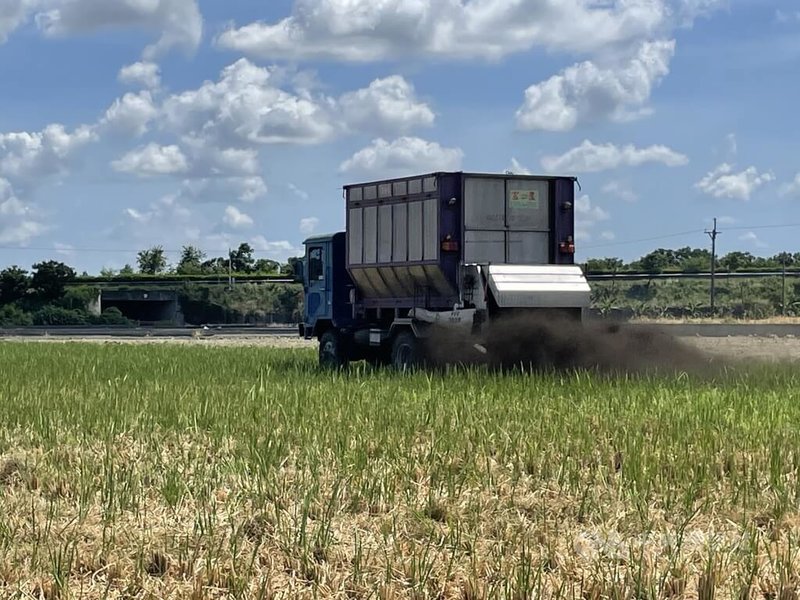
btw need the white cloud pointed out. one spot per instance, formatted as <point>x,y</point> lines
<point>246,107</point>
<point>308,225</point>
<point>14,13</point>
<point>722,182</point>
<point>237,219</point>
<point>223,189</point>
<point>793,188</point>
<point>608,236</point>
<point>19,222</point>
<point>302,194</point>
<point>153,159</point>
<point>752,238</point>
<point>786,17</point>
<point>621,190</point>
<point>31,156</point>
<point>586,92</point>
<point>279,250</point>
<point>179,22</point>
<point>518,168</point>
<point>370,30</point>
<point>590,157</point>
<point>144,74</point>
<point>587,217</point>
<point>131,114</point>
<point>388,106</point>
<point>405,155</point>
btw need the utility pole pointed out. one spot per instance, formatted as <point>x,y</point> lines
<point>713,235</point>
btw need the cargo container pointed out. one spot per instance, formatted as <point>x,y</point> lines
<point>443,249</point>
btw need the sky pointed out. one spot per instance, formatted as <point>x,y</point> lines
<point>131,123</point>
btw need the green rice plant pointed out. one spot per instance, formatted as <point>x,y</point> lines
<point>246,472</point>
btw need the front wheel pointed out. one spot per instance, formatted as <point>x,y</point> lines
<point>407,352</point>
<point>332,353</point>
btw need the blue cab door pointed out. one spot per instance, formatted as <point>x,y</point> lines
<point>318,284</point>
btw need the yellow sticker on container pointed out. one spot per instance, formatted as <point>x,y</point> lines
<point>523,199</point>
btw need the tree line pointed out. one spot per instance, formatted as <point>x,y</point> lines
<point>193,261</point>
<point>692,260</point>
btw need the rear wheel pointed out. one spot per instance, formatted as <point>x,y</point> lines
<point>332,351</point>
<point>407,352</point>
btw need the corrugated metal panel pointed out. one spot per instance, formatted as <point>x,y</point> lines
<point>404,280</point>
<point>484,203</point>
<point>400,243</point>
<point>400,188</point>
<point>355,194</point>
<point>415,186</point>
<point>415,231</point>
<point>431,226</point>
<point>429,184</point>
<point>385,234</point>
<point>529,247</point>
<point>363,283</point>
<point>384,190</point>
<point>485,247</point>
<point>375,279</point>
<point>528,203</point>
<point>370,234</point>
<point>548,286</point>
<point>392,283</point>
<point>356,234</point>
<point>437,279</point>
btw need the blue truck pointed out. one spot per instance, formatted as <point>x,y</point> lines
<point>439,251</point>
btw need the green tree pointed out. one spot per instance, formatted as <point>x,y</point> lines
<point>14,284</point>
<point>107,273</point>
<point>733,261</point>
<point>658,260</point>
<point>127,271</point>
<point>611,265</point>
<point>191,262</point>
<point>242,260</point>
<point>783,258</point>
<point>265,265</point>
<point>50,279</point>
<point>152,261</point>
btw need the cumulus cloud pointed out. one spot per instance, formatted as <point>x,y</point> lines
<point>14,13</point>
<point>279,250</point>
<point>621,190</point>
<point>141,74</point>
<point>308,225</point>
<point>793,188</point>
<point>387,106</point>
<point>518,168</point>
<point>722,182</point>
<point>245,106</point>
<point>302,194</point>
<point>405,155</point>
<point>178,22</point>
<point>222,189</point>
<point>371,30</point>
<point>751,238</point>
<point>590,157</point>
<point>28,156</point>
<point>19,222</point>
<point>131,114</point>
<point>153,159</point>
<point>236,219</point>
<point>587,92</point>
<point>587,218</point>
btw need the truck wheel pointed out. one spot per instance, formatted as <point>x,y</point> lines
<point>332,354</point>
<point>406,352</point>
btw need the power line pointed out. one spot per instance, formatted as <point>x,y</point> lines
<point>650,239</point>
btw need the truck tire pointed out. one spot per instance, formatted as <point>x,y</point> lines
<point>332,351</point>
<point>407,352</point>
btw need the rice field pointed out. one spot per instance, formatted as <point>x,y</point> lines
<point>177,471</point>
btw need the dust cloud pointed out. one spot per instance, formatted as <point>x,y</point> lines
<point>549,342</point>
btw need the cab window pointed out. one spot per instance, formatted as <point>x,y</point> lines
<point>315,267</point>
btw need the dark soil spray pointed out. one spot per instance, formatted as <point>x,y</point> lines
<point>551,343</point>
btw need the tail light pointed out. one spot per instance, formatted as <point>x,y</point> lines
<point>567,247</point>
<point>449,245</point>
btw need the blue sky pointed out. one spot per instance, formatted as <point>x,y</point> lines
<point>129,123</point>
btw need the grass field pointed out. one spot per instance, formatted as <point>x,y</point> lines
<point>166,471</point>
